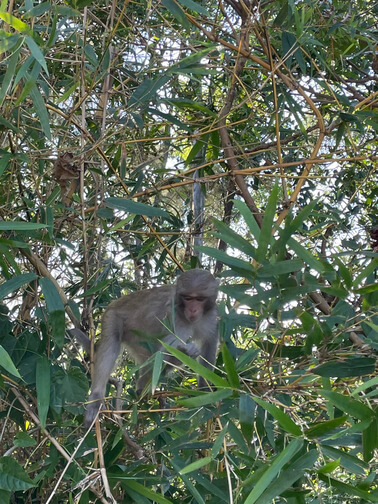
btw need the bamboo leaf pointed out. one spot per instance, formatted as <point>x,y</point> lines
<point>15,283</point>
<point>36,53</point>
<point>195,466</point>
<point>177,12</point>
<point>280,268</point>
<point>304,254</point>
<point>135,207</point>
<point>206,398</point>
<point>249,218</point>
<point>349,405</point>
<point>146,492</point>
<point>7,363</point>
<point>43,388</point>
<point>229,364</point>
<point>198,368</point>
<point>234,239</point>
<point>325,427</point>
<point>9,74</point>
<point>270,474</point>
<point>41,110</point>
<point>231,261</point>
<point>267,226</point>
<point>16,23</point>
<point>194,6</point>
<point>20,226</point>
<point>297,468</point>
<point>282,418</point>
<point>354,366</point>
<point>348,489</point>
<point>55,309</point>
<point>247,407</point>
<point>156,370</point>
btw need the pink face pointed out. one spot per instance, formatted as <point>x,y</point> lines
<point>194,307</point>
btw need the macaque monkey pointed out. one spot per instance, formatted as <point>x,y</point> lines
<point>183,315</point>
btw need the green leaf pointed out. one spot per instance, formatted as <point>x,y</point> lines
<point>234,239</point>
<point>370,440</point>
<point>9,74</point>
<point>16,23</point>
<point>195,57</point>
<point>367,384</point>
<point>38,10</point>
<point>330,467</point>
<point>4,160</point>
<point>206,398</point>
<point>267,226</point>
<point>194,6</point>
<point>304,254</point>
<point>156,370</point>
<point>98,287</point>
<point>195,466</point>
<point>13,477</point>
<point>55,308</point>
<point>199,144</point>
<point>41,110</point>
<point>36,53</point>
<point>43,388</point>
<point>135,207</point>
<point>350,406</point>
<point>353,464</point>
<point>282,418</point>
<point>187,482</point>
<point>190,104</point>
<point>370,268</point>
<point>354,366</point>
<point>348,489</point>
<point>23,440</point>
<point>247,407</point>
<point>229,364</point>
<point>15,283</point>
<point>20,226</point>
<point>233,262</point>
<point>280,268</point>
<point>146,91</point>
<point>323,428</point>
<point>146,492</point>
<point>297,468</point>
<point>218,443</point>
<point>270,474</point>
<point>198,368</point>
<point>51,294</point>
<point>7,363</point>
<point>177,12</point>
<point>8,42</point>
<point>249,218</point>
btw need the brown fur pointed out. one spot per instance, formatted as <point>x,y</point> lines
<point>141,317</point>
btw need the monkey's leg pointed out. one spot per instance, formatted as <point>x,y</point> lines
<point>105,356</point>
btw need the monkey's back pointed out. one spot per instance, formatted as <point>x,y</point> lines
<point>127,310</point>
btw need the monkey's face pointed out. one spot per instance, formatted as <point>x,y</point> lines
<point>193,307</point>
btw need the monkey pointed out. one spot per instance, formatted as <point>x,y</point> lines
<point>183,315</point>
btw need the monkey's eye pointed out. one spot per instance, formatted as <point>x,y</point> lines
<point>187,298</point>
<point>201,299</point>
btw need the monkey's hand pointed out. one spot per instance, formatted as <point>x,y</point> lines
<point>190,349</point>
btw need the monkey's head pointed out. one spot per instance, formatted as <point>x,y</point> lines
<point>196,293</point>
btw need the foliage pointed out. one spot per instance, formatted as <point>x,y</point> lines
<point>115,118</point>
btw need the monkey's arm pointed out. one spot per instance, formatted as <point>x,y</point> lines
<point>81,337</point>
